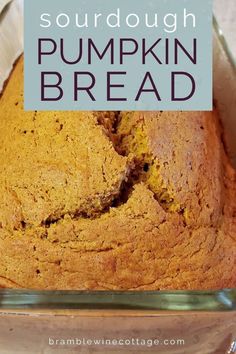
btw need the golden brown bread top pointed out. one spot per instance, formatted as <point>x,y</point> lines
<point>53,163</point>
<point>101,200</point>
<point>184,154</point>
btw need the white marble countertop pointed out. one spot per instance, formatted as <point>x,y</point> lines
<point>225,12</point>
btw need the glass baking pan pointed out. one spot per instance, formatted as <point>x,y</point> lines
<point>31,321</point>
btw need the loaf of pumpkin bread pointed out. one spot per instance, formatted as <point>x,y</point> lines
<point>113,200</point>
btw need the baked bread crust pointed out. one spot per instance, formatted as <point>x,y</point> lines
<point>101,200</point>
